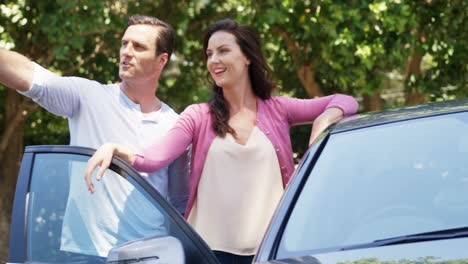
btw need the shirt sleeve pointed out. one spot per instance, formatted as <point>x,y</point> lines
<point>169,147</point>
<point>300,111</point>
<point>58,95</point>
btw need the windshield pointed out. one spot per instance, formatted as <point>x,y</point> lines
<point>380,182</point>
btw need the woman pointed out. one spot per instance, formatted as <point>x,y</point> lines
<point>241,149</point>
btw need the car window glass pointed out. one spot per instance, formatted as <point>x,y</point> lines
<point>380,182</point>
<point>68,224</point>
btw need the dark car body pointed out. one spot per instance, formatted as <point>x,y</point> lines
<point>383,187</point>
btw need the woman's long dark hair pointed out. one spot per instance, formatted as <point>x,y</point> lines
<point>259,71</point>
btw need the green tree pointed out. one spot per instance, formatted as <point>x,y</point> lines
<point>385,52</point>
<point>364,47</point>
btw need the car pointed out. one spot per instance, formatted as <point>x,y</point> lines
<point>381,187</point>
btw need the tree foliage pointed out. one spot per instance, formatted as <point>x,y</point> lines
<point>387,53</point>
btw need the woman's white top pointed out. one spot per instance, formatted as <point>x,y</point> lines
<point>239,190</point>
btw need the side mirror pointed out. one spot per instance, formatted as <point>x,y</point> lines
<point>151,250</point>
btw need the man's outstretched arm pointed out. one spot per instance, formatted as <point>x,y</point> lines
<point>16,71</point>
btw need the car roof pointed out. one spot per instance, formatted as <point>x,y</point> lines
<point>400,114</point>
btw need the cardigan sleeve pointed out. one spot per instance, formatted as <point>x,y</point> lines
<point>300,111</point>
<point>163,151</point>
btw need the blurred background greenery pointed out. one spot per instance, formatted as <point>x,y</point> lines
<point>387,53</point>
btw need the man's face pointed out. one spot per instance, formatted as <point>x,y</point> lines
<point>138,60</point>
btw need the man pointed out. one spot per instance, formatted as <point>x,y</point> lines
<point>128,113</point>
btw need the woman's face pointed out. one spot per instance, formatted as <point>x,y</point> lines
<point>226,63</point>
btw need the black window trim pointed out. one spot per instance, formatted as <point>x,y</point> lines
<point>269,247</point>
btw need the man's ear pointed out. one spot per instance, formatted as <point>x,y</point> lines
<point>163,59</point>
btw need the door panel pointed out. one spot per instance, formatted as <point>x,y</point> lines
<point>65,223</point>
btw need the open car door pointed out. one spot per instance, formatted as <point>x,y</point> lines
<point>56,220</point>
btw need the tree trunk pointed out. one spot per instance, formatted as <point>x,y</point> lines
<point>414,95</point>
<point>414,98</point>
<point>305,71</point>
<point>372,102</point>
<point>307,77</point>
<point>10,160</point>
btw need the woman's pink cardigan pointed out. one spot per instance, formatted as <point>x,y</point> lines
<point>275,116</point>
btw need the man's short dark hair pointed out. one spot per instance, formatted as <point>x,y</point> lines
<point>166,37</point>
